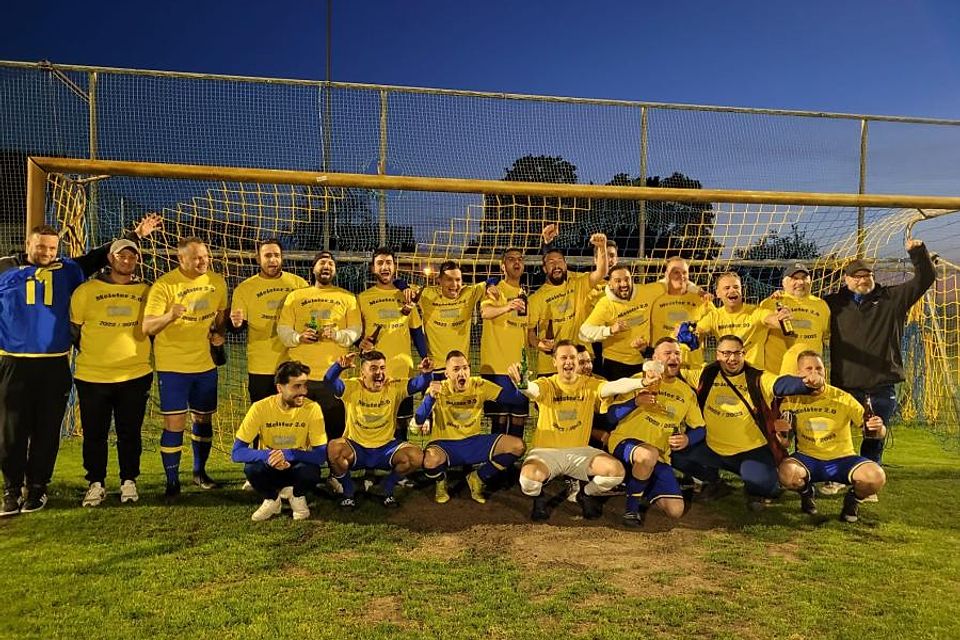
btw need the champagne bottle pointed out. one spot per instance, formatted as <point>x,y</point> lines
<point>786,325</point>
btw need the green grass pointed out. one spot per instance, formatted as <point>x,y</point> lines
<point>202,569</point>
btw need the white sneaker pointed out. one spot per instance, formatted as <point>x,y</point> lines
<point>831,488</point>
<point>128,491</point>
<point>246,486</point>
<point>872,498</point>
<point>334,485</point>
<point>95,495</point>
<point>286,493</point>
<point>298,504</point>
<point>267,510</point>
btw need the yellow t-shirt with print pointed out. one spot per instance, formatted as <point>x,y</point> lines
<point>503,337</point>
<point>382,307</point>
<point>747,324</point>
<point>458,415</point>
<point>730,426</point>
<point>824,422</point>
<point>327,307</point>
<point>566,412</point>
<point>447,322</point>
<point>261,299</point>
<point>561,307</point>
<point>372,415</point>
<point>811,323</point>
<point>278,427</point>
<point>666,314</point>
<point>635,312</point>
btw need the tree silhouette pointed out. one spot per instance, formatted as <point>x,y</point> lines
<point>792,246</point>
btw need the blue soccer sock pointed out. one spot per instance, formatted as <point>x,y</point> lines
<point>390,483</point>
<point>202,442</point>
<point>171,446</point>
<point>346,481</point>
<point>500,462</point>
<point>635,489</point>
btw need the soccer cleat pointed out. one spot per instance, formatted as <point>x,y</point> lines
<point>36,500</point>
<point>204,481</point>
<point>476,487</point>
<point>851,507</point>
<point>714,490</point>
<point>633,519</point>
<point>287,494</point>
<point>172,492</point>
<point>871,498</point>
<point>808,503</point>
<point>540,512</point>
<point>390,502</point>
<point>128,492</point>
<point>832,488</point>
<point>246,486</point>
<point>347,503</point>
<point>591,506</point>
<point>571,488</point>
<point>11,503</point>
<point>94,496</point>
<point>267,510</point>
<point>442,495</point>
<point>298,504</point>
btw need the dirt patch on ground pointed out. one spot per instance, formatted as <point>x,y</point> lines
<point>387,609</point>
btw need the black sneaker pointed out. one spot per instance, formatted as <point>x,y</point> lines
<point>36,500</point>
<point>11,503</point>
<point>204,481</point>
<point>714,491</point>
<point>540,511</point>
<point>172,491</point>
<point>347,503</point>
<point>851,507</point>
<point>591,505</point>
<point>390,502</point>
<point>808,504</point>
<point>633,519</point>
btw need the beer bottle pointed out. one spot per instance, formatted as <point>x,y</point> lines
<point>375,336</point>
<point>522,295</point>
<point>868,413</point>
<point>786,325</point>
<point>548,334</point>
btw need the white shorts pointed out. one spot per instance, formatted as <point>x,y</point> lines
<point>574,462</point>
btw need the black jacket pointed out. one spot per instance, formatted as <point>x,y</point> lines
<point>865,338</point>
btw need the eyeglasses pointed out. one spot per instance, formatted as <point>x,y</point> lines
<point>729,354</point>
<point>861,276</point>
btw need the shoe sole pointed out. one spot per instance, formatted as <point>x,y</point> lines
<point>25,510</point>
<point>126,499</point>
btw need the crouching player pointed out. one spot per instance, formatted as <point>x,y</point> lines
<point>292,444</point>
<point>649,427</point>
<point>566,402</point>
<point>457,408</point>
<point>824,419</point>
<point>369,441</point>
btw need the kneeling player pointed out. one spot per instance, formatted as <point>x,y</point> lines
<point>369,441</point>
<point>292,444</point>
<point>648,428</point>
<point>824,419</point>
<point>457,408</point>
<point>560,443</point>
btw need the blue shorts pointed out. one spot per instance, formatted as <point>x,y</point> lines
<point>494,408</point>
<point>662,483</point>
<point>470,450</point>
<point>836,470</point>
<point>375,457</point>
<point>180,392</point>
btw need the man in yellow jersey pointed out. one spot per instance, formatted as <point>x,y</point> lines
<point>291,444</point>
<point>735,317</point>
<point>112,373</point>
<point>825,416</point>
<point>447,311</point>
<point>621,320</point>
<point>370,441</point>
<point>256,306</point>
<point>560,444</point>
<point>735,400</point>
<point>681,301</point>
<point>648,428</point>
<point>809,315</point>
<point>560,304</point>
<point>389,323</point>
<point>186,311</point>
<point>502,341</point>
<point>457,408</point>
<point>318,324</point>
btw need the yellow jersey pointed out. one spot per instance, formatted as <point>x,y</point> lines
<point>562,307</point>
<point>566,412</point>
<point>676,408</point>
<point>184,346</point>
<point>811,323</point>
<point>447,322</point>
<point>261,299</point>
<point>730,426</point>
<point>503,337</point>
<point>458,415</point>
<point>824,422</point>
<point>666,314</point>
<point>325,306</point>
<point>278,427</point>
<point>747,324</point>
<point>635,312</point>
<point>113,347</point>
<point>381,307</point>
<point>372,415</point>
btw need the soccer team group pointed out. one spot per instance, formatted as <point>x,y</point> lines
<point>616,368</point>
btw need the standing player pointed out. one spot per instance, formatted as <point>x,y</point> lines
<point>256,305</point>
<point>370,441</point>
<point>185,310</point>
<point>825,416</point>
<point>35,291</point>
<point>503,340</point>
<point>457,408</point>
<point>292,444</point>
<point>318,324</point>
<point>809,315</point>
<point>560,443</point>
<point>682,301</point>
<point>393,320</point>
<point>113,371</point>
<point>560,305</point>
